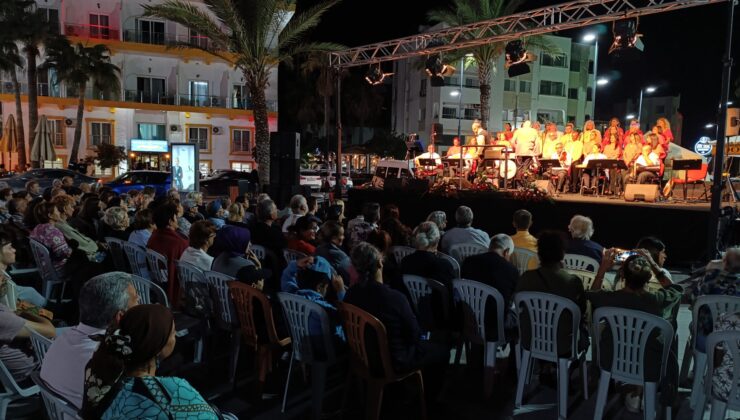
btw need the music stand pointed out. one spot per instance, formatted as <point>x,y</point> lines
<point>549,164</point>
<point>428,162</point>
<point>685,165</point>
<point>597,165</point>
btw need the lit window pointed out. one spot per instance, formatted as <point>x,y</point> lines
<point>241,140</point>
<point>241,166</point>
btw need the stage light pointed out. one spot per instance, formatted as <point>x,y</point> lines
<point>603,81</point>
<point>375,75</point>
<point>589,37</point>
<point>650,89</point>
<point>626,38</point>
<point>710,125</point>
<point>517,58</point>
<point>437,70</point>
<point>630,117</point>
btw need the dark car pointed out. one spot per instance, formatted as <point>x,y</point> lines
<point>220,181</point>
<point>137,180</point>
<point>45,177</point>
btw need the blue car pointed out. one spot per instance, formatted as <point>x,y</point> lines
<point>137,180</point>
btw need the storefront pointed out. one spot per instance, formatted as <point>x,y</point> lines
<point>149,154</point>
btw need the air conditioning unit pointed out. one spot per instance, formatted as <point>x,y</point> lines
<point>174,127</point>
<point>217,130</point>
<point>70,122</point>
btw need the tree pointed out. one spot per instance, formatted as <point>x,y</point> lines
<point>463,12</point>
<point>78,65</point>
<point>247,29</point>
<point>110,155</point>
<point>10,59</point>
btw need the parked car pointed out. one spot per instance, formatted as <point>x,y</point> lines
<point>311,179</point>
<point>220,181</point>
<point>137,180</point>
<point>45,177</point>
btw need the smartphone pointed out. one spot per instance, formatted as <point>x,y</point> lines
<point>622,256</point>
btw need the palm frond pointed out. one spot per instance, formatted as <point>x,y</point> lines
<point>542,43</point>
<point>192,17</point>
<point>310,47</point>
<point>302,22</point>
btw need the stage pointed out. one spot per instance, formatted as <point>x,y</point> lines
<point>617,223</point>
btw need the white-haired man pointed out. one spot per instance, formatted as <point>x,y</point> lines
<point>464,233</point>
<point>581,229</point>
<point>425,262</point>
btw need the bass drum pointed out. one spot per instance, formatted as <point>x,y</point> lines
<point>507,169</point>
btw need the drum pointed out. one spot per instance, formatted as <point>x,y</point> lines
<point>507,169</point>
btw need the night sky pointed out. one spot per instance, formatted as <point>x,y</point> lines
<point>683,51</point>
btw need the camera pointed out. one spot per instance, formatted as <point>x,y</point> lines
<point>623,255</point>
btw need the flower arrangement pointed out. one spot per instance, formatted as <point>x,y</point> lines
<point>531,193</point>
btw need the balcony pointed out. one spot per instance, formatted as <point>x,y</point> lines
<point>91,31</point>
<point>149,97</point>
<point>161,38</point>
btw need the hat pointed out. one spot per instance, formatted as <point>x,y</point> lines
<point>251,274</point>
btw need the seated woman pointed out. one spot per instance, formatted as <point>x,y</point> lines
<point>142,228</point>
<point>121,381</point>
<point>215,213</point>
<point>233,250</point>
<point>236,216</point>
<point>202,234</point>
<point>115,224</point>
<point>87,219</point>
<point>332,236</point>
<point>302,235</point>
<point>66,207</point>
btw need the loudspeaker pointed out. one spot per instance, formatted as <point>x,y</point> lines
<point>436,135</point>
<point>644,192</point>
<point>732,125</point>
<point>545,185</point>
<point>285,145</point>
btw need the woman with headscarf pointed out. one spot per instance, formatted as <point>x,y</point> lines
<point>232,245</point>
<point>121,381</point>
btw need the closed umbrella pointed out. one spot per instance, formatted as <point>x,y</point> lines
<point>43,149</point>
<point>9,142</point>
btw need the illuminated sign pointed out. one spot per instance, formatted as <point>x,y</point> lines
<point>153,146</point>
<point>703,147</point>
<point>185,167</point>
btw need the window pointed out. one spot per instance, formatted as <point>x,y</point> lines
<point>571,118</point>
<point>241,140</point>
<point>525,86</point>
<point>509,85</point>
<point>198,93</point>
<point>449,112</point>
<point>550,115</point>
<point>575,65</point>
<point>241,166</point>
<point>554,60</point>
<point>150,32</point>
<point>54,164</point>
<point>52,16</point>
<point>148,131</point>
<point>108,172</point>
<point>552,88</point>
<point>470,113</point>
<point>590,66</point>
<point>239,97</point>
<point>100,132</point>
<point>200,41</point>
<point>99,27</point>
<point>150,90</point>
<point>572,93</point>
<point>200,135</point>
<point>589,93</point>
<point>56,126</point>
<point>204,167</point>
<point>452,81</point>
<point>423,88</point>
<point>472,82</point>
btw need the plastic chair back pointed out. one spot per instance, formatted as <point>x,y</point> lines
<point>225,312</point>
<point>455,264</point>
<point>145,288</point>
<point>244,298</point>
<point>630,330</point>
<point>580,262</point>
<point>298,310</point>
<point>357,323</point>
<point>729,341</point>
<point>40,344</point>
<point>259,251</point>
<point>545,312</point>
<point>587,277</point>
<point>57,408</point>
<point>48,273</point>
<point>137,260</point>
<point>521,258</point>
<point>116,251</point>
<point>157,266</point>
<point>292,255</point>
<point>400,252</point>
<point>421,290</point>
<point>462,251</point>
<point>717,305</point>
<point>12,391</point>
<point>473,295</point>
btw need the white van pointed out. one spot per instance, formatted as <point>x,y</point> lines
<point>392,169</point>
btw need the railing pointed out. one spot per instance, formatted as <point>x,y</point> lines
<point>149,97</point>
<point>202,100</point>
<point>163,38</point>
<point>91,31</point>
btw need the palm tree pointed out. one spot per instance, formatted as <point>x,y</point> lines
<point>10,59</point>
<point>248,30</point>
<point>463,12</point>
<point>77,66</point>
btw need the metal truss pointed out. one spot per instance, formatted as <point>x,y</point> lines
<point>563,16</point>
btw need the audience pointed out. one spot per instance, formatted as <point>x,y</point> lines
<point>266,232</point>
<point>103,300</point>
<point>88,218</point>
<point>298,208</point>
<point>215,214</point>
<point>424,261</point>
<point>166,241</point>
<point>464,233</point>
<point>202,235</point>
<point>66,206</point>
<point>439,218</point>
<point>361,226</point>
<point>302,235</point>
<point>142,228</point>
<point>115,224</point>
<point>581,229</point>
<point>332,236</point>
<point>313,286</point>
<point>232,243</point>
<point>522,238</point>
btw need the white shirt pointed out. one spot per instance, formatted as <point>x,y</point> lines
<point>428,155</point>
<point>197,257</point>
<point>654,159</point>
<point>63,368</point>
<point>468,235</point>
<point>526,141</point>
<point>290,221</point>
<point>593,156</point>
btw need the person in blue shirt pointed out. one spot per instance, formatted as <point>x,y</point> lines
<point>313,286</point>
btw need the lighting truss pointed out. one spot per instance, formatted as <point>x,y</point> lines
<point>569,15</point>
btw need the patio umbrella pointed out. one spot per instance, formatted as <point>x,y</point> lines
<point>9,142</point>
<point>42,149</point>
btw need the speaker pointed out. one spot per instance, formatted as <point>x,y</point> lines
<point>285,145</point>
<point>732,125</point>
<point>644,192</point>
<point>436,134</point>
<point>545,185</point>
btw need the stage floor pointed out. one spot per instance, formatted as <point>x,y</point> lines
<point>577,198</point>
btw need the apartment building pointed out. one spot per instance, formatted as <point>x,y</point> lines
<point>168,95</point>
<point>559,88</point>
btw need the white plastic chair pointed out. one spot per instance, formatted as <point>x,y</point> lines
<point>40,344</point>
<point>420,290</point>
<point>117,253</point>
<point>521,259</point>
<point>259,251</point>
<point>587,277</point>
<point>630,332</point>
<point>11,390</point>
<point>729,340</point>
<point>226,317</point>
<point>292,255</point>
<point>455,264</point>
<point>580,262</point>
<point>400,252</point>
<point>717,305</point>
<point>57,408</point>
<point>49,275</point>
<point>137,261</point>
<point>157,266</point>
<point>545,310</point>
<point>298,310</point>
<point>462,251</point>
<point>473,296</point>
<point>145,288</point>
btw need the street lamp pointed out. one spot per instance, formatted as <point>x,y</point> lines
<point>592,37</point>
<point>710,125</point>
<point>459,93</point>
<point>630,117</point>
<point>602,81</point>
<point>649,89</point>
<point>454,93</point>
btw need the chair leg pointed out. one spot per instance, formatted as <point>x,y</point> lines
<point>701,404</point>
<point>422,397</point>
<point>458,352</point>
<point>347,387</point>
<point>700,363</point>
<point>287,381</point>
<point>686,362</point>
<point>523,376</point>
<point>4,401</point>
<point>563,378</point>
<point>318,383</point>
<point>650,395</point>
<point>601,394</point>
<point>198,356</point>
<point>374,400</point>
<point>517,355</point>
<point>489,367</point>
<point>584,374</point>
<point>234,356</point>
<point>719,408</point>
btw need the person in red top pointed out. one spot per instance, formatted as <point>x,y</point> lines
<point>614,127</point>
<point>302,235</point>
<point>508,134</point>
<point>665,127</point>
<point>169,243</point>
<point>634,129</point>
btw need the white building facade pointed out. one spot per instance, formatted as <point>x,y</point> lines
<point>559,88</point>
<point>168,95</point>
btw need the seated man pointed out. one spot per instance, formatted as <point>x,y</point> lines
<point>581,229</point>
<point>453,151</point>
<point>647,159</point>
<point>723,278</point>
<point>424,261</point>
<point>103,300</point>
<point>464,233</point>
<point>430,154</point>
<point>561,172</point>
<point>589,179</point>
<point>522,238</point>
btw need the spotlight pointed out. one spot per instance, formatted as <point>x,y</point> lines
<point>437,70</point>
<point>517,58</point>
<point>626,39</point>
<point>375,75</point>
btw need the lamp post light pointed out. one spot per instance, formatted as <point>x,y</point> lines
<point>459,94</point>
<point>649,89</point>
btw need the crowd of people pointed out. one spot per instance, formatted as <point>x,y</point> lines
<point>105,361</point>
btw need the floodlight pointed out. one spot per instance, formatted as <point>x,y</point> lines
<point>517,58</point>
<point>626,38</point>
<point>375,75</point>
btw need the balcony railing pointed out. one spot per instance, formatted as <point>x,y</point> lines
<point>149,97</point>
<point>162,38</point>
<point>92,31</point>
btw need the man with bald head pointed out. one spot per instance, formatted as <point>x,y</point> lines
<point>722,278</point>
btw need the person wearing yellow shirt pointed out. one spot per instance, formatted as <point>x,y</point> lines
<point>522,238</point>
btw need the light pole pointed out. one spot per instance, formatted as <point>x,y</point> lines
<point>649,89</point>
<point>591,37</point>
